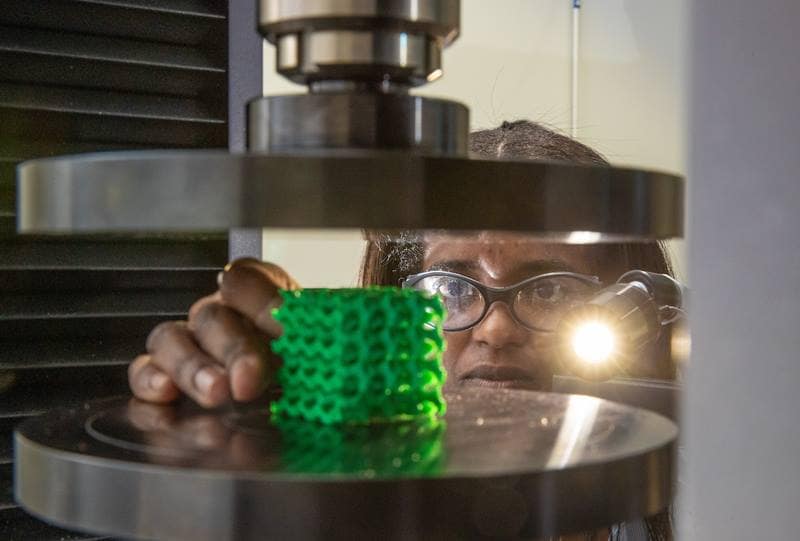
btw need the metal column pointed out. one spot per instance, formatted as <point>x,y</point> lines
<point>742,431</point>
<point>245,78</point>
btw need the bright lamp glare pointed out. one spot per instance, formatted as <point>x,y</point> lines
<point>593,342</point>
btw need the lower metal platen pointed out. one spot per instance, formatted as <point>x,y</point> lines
<point>502,463</point>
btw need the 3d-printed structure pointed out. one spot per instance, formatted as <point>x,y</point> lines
<point>360,355</point>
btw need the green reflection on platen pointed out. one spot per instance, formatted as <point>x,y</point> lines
<point>413,448</point>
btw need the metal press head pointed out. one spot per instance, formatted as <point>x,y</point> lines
<point>359,59</point>
<point>333,45</point>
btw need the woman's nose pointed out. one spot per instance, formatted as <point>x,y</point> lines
<point>499,329</point>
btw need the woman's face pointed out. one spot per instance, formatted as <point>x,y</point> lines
<point>499,352</point>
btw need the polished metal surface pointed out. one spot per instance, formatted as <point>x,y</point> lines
<point>504,464</point>
<point>359,59</point>
<point>658,395</point>
<point>190,190</point>
<point>280,14</point>
<point>351,54</point>
<point>398,41</point>
<point>359,120</point>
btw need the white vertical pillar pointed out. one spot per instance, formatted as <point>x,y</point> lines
<point>742,415</point>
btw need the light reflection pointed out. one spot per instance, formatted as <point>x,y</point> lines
<point>418,124</point>
<point>593,342</point>
<point>435,74</point>
<point>404,49</point>
<point>584,237</point>
<point>574,431</point>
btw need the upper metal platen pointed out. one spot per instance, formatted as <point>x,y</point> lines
<point>503,464</point>
<point>208,190</point>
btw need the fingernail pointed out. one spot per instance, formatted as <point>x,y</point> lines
<point>220,274</point>
<point>205,378</point>
<point>158,381</point>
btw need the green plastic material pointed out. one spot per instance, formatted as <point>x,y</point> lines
<point>360,355</point>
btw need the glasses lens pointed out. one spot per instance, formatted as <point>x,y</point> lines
<point>463,301</point>
<point>542,303</point>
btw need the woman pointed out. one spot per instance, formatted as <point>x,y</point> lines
<point>220,352</point>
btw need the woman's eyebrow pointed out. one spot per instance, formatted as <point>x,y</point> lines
<point>542,266</point>
<point>455,265</point>
<point>532,268</point>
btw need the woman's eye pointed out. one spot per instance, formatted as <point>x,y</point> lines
<point>452,288</point>
<point>548,292</point>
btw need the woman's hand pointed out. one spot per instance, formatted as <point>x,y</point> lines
<point>222,351</point>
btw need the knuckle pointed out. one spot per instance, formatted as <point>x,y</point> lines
<point>135,368</point>
<point>186,368</point>
<point>196,307</point>
<point>199,303</point>
<point>208,312</point>
<point>236,347</point>
<point>244,280</point>
<point>167,330</point>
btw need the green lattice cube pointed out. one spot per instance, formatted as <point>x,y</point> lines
<point>360,355</point>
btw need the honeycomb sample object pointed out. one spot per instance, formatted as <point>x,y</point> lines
<point>360,355</point>
<point>376,450</point>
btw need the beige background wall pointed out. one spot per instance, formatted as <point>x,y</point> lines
<point>512,61</point>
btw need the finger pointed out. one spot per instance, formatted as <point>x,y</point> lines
<point>174,351</point>
<point>150,383</point>
<point>232,340</point>
<point>200,303</point>
<point>251,288</point>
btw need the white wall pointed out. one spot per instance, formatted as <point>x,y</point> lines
<point>512,61</point>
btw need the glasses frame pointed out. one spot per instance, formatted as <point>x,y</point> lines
<point>505,295</point>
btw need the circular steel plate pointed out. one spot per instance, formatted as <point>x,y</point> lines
<point>503,463</point>
<point>215,190</point>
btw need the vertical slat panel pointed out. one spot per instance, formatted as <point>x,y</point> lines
<point>79,76</point>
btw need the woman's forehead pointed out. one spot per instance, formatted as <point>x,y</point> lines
<point>503,256</point>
